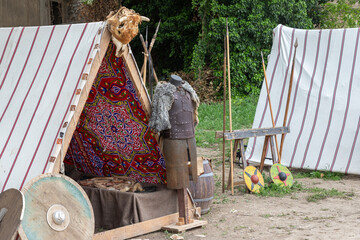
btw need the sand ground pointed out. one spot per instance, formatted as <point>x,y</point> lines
<point>249,216</point>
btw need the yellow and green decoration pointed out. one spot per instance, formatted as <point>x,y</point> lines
<point>281,175</point>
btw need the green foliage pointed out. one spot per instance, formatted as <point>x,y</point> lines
<point>250,31</point>
<point>320,174</point>
<point>211,119</point>
<point>191,35</point>
<point>88,2</point>
<point>339,14</point>
<point>177,34</point>
<point>273,190</point>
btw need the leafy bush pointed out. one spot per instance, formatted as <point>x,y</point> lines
<point>340,14</point>
<point>250,31</point>
<point>191,35</point>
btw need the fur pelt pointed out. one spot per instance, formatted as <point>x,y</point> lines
<point>162,103</point>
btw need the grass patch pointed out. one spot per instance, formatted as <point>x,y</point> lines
<point>211,119</point>
<point>315,194</point>
<point>273,190</point>
<point>318,194</point>
<point>319,174</point>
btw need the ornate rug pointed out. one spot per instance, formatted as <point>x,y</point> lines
<point>112,136</point>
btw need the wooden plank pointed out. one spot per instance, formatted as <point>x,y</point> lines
<point>178,229</point>
<point>83,97</point>
<point>256,132</point>
<point>239,183</point>
<point>137,229</point>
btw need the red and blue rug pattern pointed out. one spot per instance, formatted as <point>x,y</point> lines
<point>112,136</point>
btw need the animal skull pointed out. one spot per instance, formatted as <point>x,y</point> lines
<point>123,26</point>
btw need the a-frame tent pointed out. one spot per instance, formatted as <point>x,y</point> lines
<point>324,112</point>
<point>46,76</point>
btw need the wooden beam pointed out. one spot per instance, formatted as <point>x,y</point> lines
<point>182,228</point>
<point>256,132</point>
<point>137,229</point>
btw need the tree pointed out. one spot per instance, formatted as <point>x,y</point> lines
<point>250,30</point>
<point>177,34</point>
<point>339,14</point>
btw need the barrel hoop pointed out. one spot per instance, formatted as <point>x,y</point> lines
<point>203,199</point>
<point>207,174</point>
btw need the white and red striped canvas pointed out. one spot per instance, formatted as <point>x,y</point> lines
<point>324,112</point>
<point>40,71</point>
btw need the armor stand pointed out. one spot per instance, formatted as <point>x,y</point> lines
<point>186,214</point>
<point>183,202</point>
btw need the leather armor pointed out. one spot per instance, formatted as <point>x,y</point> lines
<point>181,116</point>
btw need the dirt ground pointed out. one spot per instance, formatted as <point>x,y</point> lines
<point>248,216</point>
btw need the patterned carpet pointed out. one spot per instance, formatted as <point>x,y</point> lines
<point>112,136</point>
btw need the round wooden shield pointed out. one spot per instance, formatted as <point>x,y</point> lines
<point>281,175</point>
<point>253,179</point>
<point>56,208</point>
<point>11,213</point>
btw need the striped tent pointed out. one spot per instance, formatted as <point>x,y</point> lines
<point>324,110</point>
<point>46,76</point>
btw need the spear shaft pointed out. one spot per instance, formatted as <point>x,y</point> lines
<point>151,45</point>
<point>230,116</point>
<point>271,111</point>
<point>224,119</point>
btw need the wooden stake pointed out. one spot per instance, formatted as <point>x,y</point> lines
<point>224,119</point>
<point>145,57</point>
<point>147,54</point>
<point>151,46</point>
<point>288,98</point>
<point>271,112</point>
<point>230,116</point>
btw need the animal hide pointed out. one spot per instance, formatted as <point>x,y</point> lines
<point>162,103</point>
<point>123,26</point>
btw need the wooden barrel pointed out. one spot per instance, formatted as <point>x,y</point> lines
<point>203,191</point>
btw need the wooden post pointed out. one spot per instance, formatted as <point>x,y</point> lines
<point>230,116</point>
<point>288,98</point>
<point>184,216</point>
<point>146,55</point>
<point>151,46</point>
<point>271,112</point>
<point>263,155</point>
<point>224,119</point>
